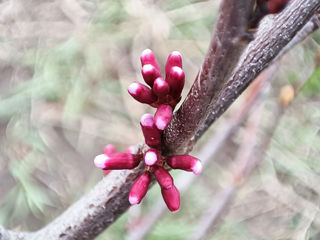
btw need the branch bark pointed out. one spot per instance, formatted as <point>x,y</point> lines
<point>212,93</point>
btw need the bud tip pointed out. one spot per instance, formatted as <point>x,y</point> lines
<point>197,168</point>
<point>150,158</point>
<point>100,161</point>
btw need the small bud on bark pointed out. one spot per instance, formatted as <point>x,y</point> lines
<point>149,74</point>
<point>109,149</point>
<point>185,162</point>
<point>141,93</point>
<point>151,133</point>
<point>163,116</point>
<point>176,81</point>
<point>147,57</point>
<point>117,161</point>
<point>163,177</point>
<point>160,87</point>
<point>174,60</point>
<point>151,157</point>
<point>139,188</point>
<point>171,197</point>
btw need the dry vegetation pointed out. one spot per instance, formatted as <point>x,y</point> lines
<point>65,66</point>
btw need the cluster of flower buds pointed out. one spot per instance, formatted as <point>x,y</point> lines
<point>272,6</point>
<point>163,95</point>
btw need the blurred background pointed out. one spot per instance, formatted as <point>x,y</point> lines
<point>64,70</point>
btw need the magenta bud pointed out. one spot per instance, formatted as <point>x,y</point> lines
<point>160,87</point>
<point>151,157</point>
<point>163,116</point>
<point>141,93</point>
<point>174,60</point>
<point>109,149</point>
<point>171,197</point>
<point>151,133</point>
<point>139,188</point>
<point>176,81</point>
<point>185,162</point>
<point>147,57</point>
<point>150,74</point>
<point>163,177</point>
<point>131,149</point>
<point>117,161</point>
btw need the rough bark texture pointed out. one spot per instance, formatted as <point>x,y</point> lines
<point>213,92</point>
<point>229,40</point>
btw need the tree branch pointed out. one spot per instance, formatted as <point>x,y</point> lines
<point>212,93</point>
<point>262,51</point>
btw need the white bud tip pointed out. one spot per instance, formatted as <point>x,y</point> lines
<point>133,200</point>
<point>150,158</point>
<point>133,88</point>
<point>147,120</point>
<point>146,51</point>
<point>177,70</point>
<point>100,161</point>
<point>176,53</point>
<point>174,211</point>
<point>197,168</point>
<point>161,124</point>
<point>147,68</point>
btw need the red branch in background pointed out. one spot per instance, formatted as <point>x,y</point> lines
<point>163,94</point>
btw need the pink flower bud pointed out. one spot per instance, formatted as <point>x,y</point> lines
<point>163,177</point>
<point>131,149</point>
<point>150,74</point>
<point>147,57</point>
<point>163,116</point>
<point>117,161</point>
<point>151,133</point>
<point>109,149</point>
<point>185,162</point>
<point>172,198</point>
<point>141,93</point>
<point>151,157</point>
<point>174,60</point>
<point>160,87</point>
<point>139,188</point>
<point>176,81</point>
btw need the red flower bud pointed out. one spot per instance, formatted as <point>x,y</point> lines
<point>139,188</point>
<point>172,198</point>
<point>160,87</point>
<point>117,161</point>
<point>163,116</point>
<point>176,81</point>
<point>151,133</point>
<point>163,177</point>
<point>141,93</point>
<point>109,149</point>
<point>131,149</point>
<point>174,60</point>
<point>147,57</point>
<point>185,162</point>
<point>151,157</point>
<point>150,74</point>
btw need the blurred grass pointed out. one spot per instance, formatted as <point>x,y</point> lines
<point>64,72</point>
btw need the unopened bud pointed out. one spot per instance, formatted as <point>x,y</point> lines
<point>151,133</point>
<point>141,93</point>
<point>160,87</point>
<point>163,116</point>
<point>171,197</point>
<point>117,161</point>
<point>150,74</point>
<point>185,162</point>
<point>176,81</point>
<point>163,177</point>
<point>139,188</point>
<point>147,57</point>
<point>286,95</point>
<point>174,60</point>
<point>109,149</point>
<point>151,157</point>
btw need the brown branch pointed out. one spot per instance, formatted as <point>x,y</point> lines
<point>229,40</point>
<point>211,93</point>
<point>184,131</point>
